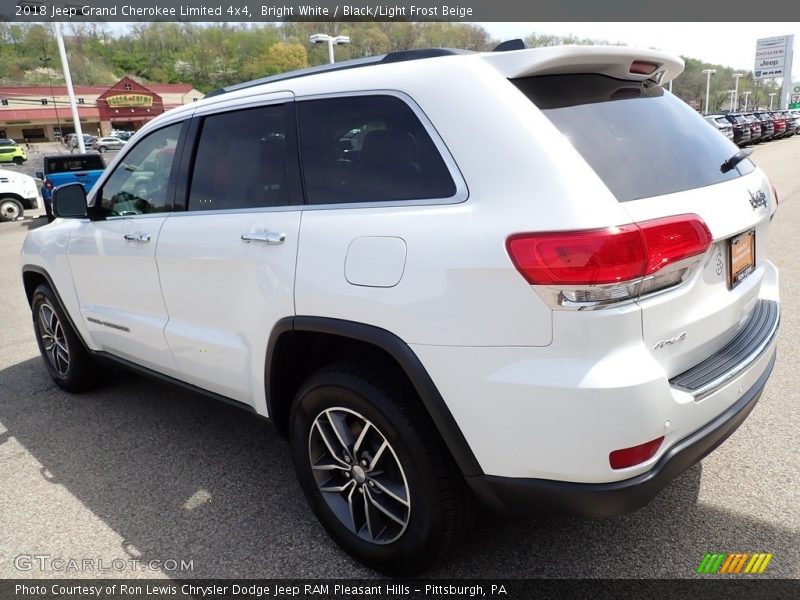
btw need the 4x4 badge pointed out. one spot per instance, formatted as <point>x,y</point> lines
<point>758,199</point>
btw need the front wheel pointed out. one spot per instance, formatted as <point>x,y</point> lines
<point>18,160</point>
<point>10,209</point>
<point>68,362</point>
<point>375,470</point>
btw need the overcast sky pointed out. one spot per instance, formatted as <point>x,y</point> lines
<point>731,44</point>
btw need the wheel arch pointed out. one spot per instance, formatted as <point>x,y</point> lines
<point>319,341</point>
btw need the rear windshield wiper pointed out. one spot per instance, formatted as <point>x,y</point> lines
<point>734,160</point>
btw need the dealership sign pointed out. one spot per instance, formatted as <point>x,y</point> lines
<point>794,98</point>
<point>129,101</point>
<point>771,57</point>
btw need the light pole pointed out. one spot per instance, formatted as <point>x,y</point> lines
<point>731,92</point>
<point>323,38</point>
<point>708,73</point>
<point>746,95</point>
<point>736,77</point>
<point>771,96</point>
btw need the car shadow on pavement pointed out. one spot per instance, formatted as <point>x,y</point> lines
<point>179,476</point>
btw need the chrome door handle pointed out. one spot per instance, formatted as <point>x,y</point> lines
<point>142,238</point>
<point>270,238</point>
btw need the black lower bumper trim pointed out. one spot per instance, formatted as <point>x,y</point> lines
<point>526,496</point>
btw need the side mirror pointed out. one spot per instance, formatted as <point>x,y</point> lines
<point>39,175</point>
<point>69,201</point>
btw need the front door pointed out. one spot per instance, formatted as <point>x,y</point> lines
<point>113,258</point>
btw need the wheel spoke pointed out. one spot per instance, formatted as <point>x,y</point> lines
<point>392,490</point>
<point>378,455</point>
<point>337,465</point>
<point>352,512</point>
<point>385,510</point>
<point>337,488</point>
<point>361,437</point>
<point>334,455</point>
<point>367,518</point>
<point>340,430</point>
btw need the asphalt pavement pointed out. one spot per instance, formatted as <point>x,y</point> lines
<point>140,471</point>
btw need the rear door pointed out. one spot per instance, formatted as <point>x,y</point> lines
<point>660,160</point>
<point>227,263</point>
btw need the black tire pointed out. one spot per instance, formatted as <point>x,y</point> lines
<point>11,209</point>
<point>18,160</point>
<point>440,506</point>
<point>57,339</point>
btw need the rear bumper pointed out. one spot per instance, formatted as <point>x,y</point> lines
<point>524,496</point>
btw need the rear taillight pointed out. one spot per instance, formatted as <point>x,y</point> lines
<point>630,457</point>
<point>599,266</point>
<point>48,185</point>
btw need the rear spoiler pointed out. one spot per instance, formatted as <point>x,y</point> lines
<point>620,62</point>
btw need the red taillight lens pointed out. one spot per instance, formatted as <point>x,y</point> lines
<point>672,239</point>
<point>603,256</point>
<point>629,457</point>
<point>579,257</point>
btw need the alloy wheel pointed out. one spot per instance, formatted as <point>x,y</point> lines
<point>359,475</point>
<point>53,339</point>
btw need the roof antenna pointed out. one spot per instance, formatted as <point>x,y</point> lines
<point>515,44</point>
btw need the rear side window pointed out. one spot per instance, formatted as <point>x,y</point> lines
<point>241,161</point>
<point>723,121</point>
<point>68,164</point>
<point>640,140</point>
<point>368,149</point>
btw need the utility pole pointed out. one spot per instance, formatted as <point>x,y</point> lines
<point>708,74</point>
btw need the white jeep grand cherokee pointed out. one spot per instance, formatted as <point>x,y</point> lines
<point>533,277</point>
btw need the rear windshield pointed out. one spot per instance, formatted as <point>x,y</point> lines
<point>640,140</point>
<point>66,164</point>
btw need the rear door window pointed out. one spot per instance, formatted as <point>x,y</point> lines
<point>640,140</point>
<point>368,149</point>
<point>241,161</point>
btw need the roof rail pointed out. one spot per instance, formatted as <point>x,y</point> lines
<point>391,57</point>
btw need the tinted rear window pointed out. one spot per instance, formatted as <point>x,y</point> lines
<point>640,140</point>
<point>67,164</point>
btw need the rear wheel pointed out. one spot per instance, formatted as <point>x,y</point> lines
<point>11,209</point>
<point>375,471</point>
<point>68,362</point>
<point>102,148</point>
<point>18,160</point>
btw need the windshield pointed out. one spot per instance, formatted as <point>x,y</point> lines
<point>640,140</point>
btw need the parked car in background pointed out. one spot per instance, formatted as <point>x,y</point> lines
<point>780,124</point>
<point>792,122</point>
<point>767,125</point>
<point>756,130</point>
<point>13,153</point>
<point>88,140</point>
<point>108,143</point>
<point>721,124</point>
<point>123,135</point>
<point>742,131</point>
<point>17,193</point>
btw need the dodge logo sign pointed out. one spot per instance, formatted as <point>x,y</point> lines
<point>758,199</point>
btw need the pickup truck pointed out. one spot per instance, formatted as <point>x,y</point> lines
<point>59,169</point>
<point>17,192</point>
